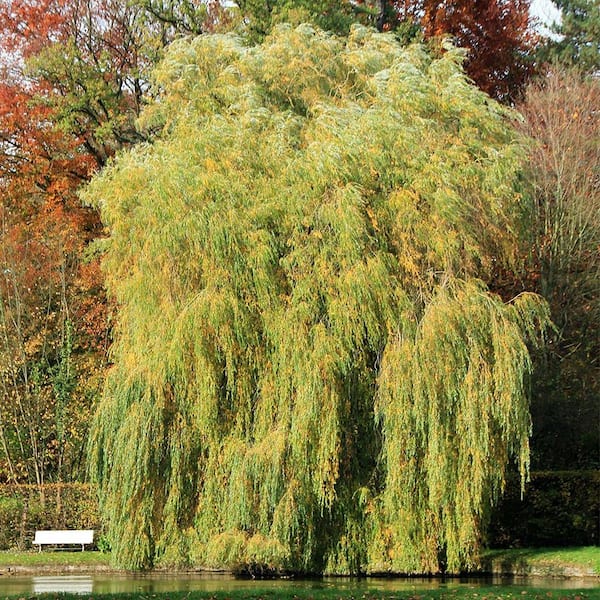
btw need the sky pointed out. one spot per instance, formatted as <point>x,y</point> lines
<point>545,11</point>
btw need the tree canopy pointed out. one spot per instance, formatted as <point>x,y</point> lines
<point>578,39</point>
<point>74,77</point>
<point>561,115</point>
<point>309,370</point>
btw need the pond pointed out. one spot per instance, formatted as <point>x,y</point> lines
<point>152,583</point>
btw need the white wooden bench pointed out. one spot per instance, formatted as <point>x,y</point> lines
<point>71,537</point>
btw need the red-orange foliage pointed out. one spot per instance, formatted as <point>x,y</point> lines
<point>72,73</point>
<point>43,232</point>
<point>497,35</point>
<point>27,27</point>
<point>45,286</point>
<point>44,226</point>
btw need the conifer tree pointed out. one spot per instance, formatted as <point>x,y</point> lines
<point>578,40</point>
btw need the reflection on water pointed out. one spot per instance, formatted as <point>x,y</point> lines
<point>153,583</point>
<point>73,584</point>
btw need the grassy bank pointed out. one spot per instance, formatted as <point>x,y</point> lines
<point>552,562</point>
<point>58,559</point>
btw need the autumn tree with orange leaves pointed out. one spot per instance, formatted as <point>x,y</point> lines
<point>497,36</point>
<point>73,77</point>
<point>51,305</point>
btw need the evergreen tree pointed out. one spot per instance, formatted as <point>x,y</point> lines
<point>579,35</point>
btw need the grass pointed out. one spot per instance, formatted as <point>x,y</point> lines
<point>547,561</point>
<point>465,593</point>
<point>53,559</point>
<point>544,561</point>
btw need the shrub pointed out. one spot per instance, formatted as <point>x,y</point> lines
<point>26,508</point>
<point>11,510</point>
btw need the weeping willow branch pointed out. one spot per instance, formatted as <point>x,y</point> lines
<point>309,370</point>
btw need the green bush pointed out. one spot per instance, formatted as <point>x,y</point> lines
<point>559,508</point>
<point>11,510</point>
<point>26,508</point>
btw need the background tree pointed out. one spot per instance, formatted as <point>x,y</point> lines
<point>83,60</point>
<point>307,358</point>
<point>578,35</point>
<point>561,116</point>
<point>43,294</point>
<point>72,87</point>
<point>187,17</point>
<point>497,35</point>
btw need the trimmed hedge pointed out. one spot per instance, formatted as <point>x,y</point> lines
<point>559,508</point>
<point>25,508</point>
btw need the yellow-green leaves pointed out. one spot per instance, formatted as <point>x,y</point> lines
<point>453,409</point>
<point>309,372</point>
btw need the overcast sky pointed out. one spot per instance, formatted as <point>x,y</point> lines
<point>545,11</point>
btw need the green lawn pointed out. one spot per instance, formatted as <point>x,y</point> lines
<point>53,559</point>
<point>547,561</point>
<point>551,561</point>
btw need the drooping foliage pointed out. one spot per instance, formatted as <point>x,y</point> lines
<point>309,371</point>
<point>498,35</point>
<point>258,18</point>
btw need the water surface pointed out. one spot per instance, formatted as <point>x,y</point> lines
<point>104,583</point>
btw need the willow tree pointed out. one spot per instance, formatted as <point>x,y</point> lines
<point>309,370</point>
